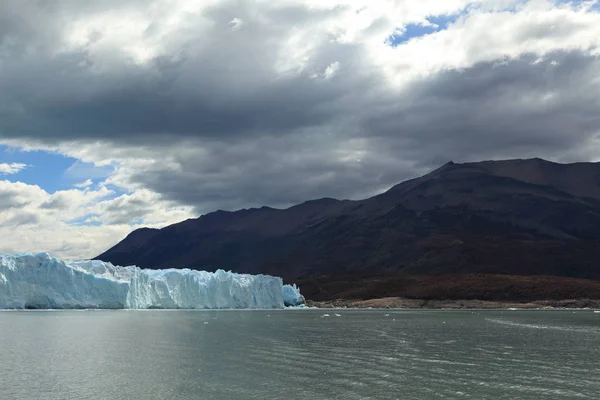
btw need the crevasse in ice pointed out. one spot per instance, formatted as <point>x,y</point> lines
<point>41,281</point>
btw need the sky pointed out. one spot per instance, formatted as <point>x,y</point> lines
<point>116,115</point>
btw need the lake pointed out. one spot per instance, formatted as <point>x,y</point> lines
<point>299,354</point>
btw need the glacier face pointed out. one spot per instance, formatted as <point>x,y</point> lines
<point>41,281</point>
<point>292,296</point>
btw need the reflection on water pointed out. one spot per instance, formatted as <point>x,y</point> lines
<point>300,354</point>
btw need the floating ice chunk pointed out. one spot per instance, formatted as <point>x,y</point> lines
<point>301,306</point>
<point>305,306</point>
<point>41,281</point>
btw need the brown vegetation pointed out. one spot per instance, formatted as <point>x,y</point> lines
<point>399,302</point>
<point>485,287</point>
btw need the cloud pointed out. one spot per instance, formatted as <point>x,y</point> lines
<point>22,219</point>
<point>12,168</point>
<point>187,107</point>
<point>32,219</point>
<point>88,182</point>
<point>87,171</point>
<point>526,107</point>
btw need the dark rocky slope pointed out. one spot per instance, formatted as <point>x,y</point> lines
<point>518,217</point>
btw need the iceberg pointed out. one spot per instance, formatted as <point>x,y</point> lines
<point>41,281</point>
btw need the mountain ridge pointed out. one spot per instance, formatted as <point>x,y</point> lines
<point>521,217</point>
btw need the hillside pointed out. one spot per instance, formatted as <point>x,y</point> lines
<point>518,217</point>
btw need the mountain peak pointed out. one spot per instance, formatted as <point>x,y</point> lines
<point>430,224</point>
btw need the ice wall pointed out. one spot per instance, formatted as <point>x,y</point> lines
<point>292,296</point>
<point>41,281</point>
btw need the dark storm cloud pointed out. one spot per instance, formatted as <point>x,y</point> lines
<point>518,108</point>
<point>224,87</point>
<point>146,111</point>
<point>272,172</point>
<point>242,133</point>
<point>125,210</point>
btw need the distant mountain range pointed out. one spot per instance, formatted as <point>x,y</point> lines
<point>516,217</point>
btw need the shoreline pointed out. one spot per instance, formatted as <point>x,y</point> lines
<point>417,304</point>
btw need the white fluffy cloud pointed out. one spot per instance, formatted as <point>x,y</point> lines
<point>12,168</point>
<point>196,106</point>
<point>76,223</point>
<point>88,182</point>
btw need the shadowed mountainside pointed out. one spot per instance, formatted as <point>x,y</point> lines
<point>517,217</point>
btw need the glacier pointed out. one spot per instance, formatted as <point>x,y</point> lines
<point>40,281</point>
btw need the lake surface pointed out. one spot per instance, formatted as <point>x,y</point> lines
<point>299,354</point>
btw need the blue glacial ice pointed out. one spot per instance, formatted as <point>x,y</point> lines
<point>41,281</point>
<point>292,296</point>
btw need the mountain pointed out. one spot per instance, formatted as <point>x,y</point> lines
<point>518,217</point>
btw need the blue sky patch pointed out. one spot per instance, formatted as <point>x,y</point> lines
<point>51,171</point>
<point>417,30</point>
<point>44,169</point>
